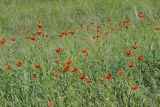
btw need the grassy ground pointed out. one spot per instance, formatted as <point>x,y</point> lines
<point>106,54</point>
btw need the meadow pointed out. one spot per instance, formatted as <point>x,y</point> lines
<point>79,53</point>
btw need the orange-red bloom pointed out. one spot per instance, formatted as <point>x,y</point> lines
<point>74,69</point>
<point>64,70</point>
<point>13,39</point>
<point>39,32</point>
<point>134,46</point>
<point>84,50</point>
<point>58,50</point>
<point>120,72</point>
<point>2,41</point>
<point>57,59</point>
<point>128,52</point>
<point>50,104</point>
<point>39,25</point>
<point>55,74</point>
<point>8,67</point>
<point>68,62</point>
<point>139,57</point>
<point>37,65</point>
<point>82,76</point>
<point>95,36</point>
<point>34,75</point>
<point>130,64</point>
<point>134,86</point>
<point>18,63</point>
<point>33,37</point>
<point>101,78</point>
<point>157,28</point>
<point>108,76</point>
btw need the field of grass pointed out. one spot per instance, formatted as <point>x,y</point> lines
<point>79,53</point>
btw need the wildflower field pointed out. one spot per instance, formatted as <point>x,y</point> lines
<point>79,53</point>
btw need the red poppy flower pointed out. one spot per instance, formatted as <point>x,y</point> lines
<point>58,50</point>
<point>57,59</point>
<point>37,65</point>
<point>13,39</point>
<point>33,37</point>
<point>74,69</point>
<point>139,57</point>
<point>102,78</point>
<point>134,86</point>
<point>66,66</point>
<point>82,76</point>
<point>108,76</point>
<point>134,46</point>
<point>130,64</point>
<point>39,25</point>
<point>55,74</point>
<point>95,36</point>
<point>128,52</point>
<point>109,19</point>
<point>64,32</point>
<point>68,62</point>
<point>18,63</point>
<point>2,41</point>
<point>39,32</point>
<point>34,75</point>
<point>64,70</point>
<point>120,72</point>
<point>50,104</point>
<point>157,28</point>
<point>84,50</point>
<point>8,67</point>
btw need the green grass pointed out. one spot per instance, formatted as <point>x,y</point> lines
<point>18,18</point>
